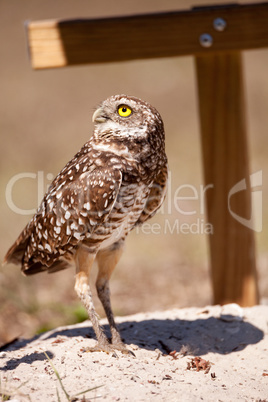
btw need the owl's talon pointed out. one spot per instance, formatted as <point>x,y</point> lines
<point>120,346</point>
<point>110,349</point>
<point>101,347</point>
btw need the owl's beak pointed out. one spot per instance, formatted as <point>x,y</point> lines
<point>99,116</point>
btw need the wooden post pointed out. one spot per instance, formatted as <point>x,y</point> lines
<point>59,43</point>
<point>225,161</point>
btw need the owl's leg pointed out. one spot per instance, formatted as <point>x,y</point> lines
<point>84,261</point>
<point>107,260</point>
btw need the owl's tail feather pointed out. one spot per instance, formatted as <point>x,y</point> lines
<point>35,267</point>
<point>16,252</point>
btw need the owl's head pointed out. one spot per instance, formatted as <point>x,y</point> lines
<point>126,116</point>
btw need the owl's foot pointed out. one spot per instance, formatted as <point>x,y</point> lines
<point>110,348</point>
<point>118,344</point>
<point>101,347</point>
<point>121,347</point>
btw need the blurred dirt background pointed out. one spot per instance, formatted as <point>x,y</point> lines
<point>45,117</point>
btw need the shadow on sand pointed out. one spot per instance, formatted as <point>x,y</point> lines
<point>199,336</point>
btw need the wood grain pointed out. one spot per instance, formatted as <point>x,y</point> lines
<point>59,43</point>
<point>226,162</point>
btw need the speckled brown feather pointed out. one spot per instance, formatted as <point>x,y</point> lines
<point>117,180</point>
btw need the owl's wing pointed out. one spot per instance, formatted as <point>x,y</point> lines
<point>84,204</point>
<point>156,196</point>
<point>67,215</point>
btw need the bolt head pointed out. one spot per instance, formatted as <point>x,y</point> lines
<point>219,24</point>
<point>206,40</point>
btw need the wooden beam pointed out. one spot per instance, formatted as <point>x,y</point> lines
<point>225,160</point>
<point>59,43</point>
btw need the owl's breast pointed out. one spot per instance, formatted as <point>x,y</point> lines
<point>127,209</point>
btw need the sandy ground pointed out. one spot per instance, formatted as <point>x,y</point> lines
<point>232,343</point>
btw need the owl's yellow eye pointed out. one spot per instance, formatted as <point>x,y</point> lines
<point>124,111</point>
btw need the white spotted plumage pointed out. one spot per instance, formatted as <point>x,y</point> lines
<point>103,192</point>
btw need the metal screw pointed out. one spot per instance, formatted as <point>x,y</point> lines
<point>219,24</point>
<point>206,40</point>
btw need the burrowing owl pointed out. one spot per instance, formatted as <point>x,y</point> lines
<point>116,181</point>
